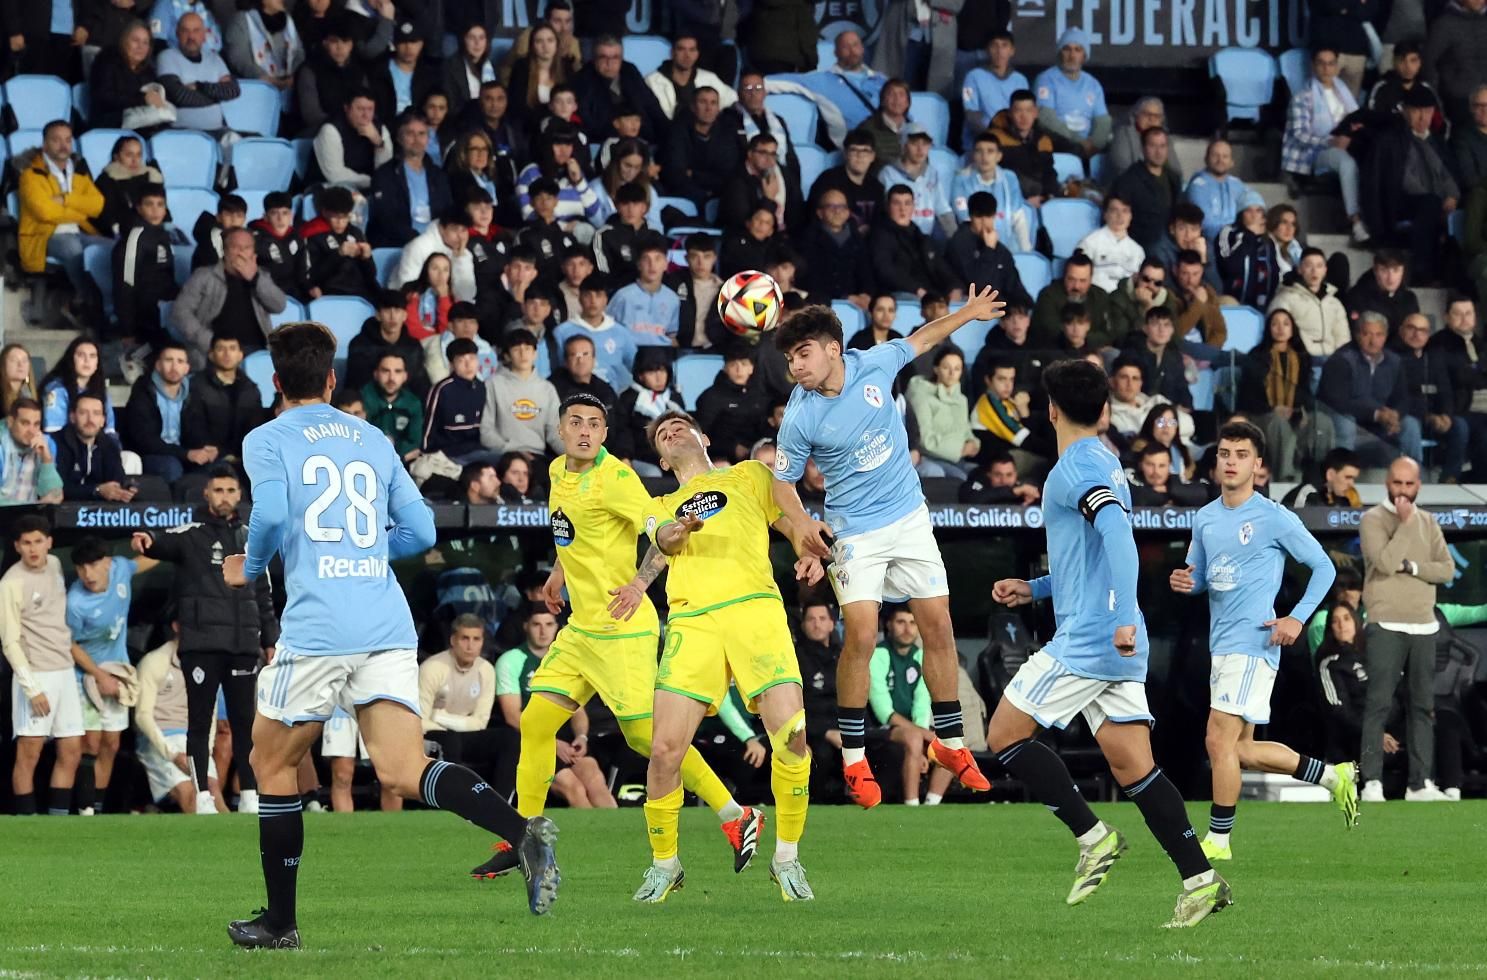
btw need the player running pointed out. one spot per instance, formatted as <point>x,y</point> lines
<point>1095,664</point>
<point>1240,543</point>
<point>331,495</point>
<point>597,507</point>
<point>727,619</point>
<point>842,415</point>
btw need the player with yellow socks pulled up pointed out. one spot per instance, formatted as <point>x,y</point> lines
<point>727,620</point>
<point>608,647</point>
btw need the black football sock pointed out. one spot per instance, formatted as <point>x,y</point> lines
<point>99,798</point>
<point>59,801</point>
<point>86,791</point>
<point>25,804</point>
<point>446,786</point>
<point>281,841</point>
<point>947,719</point>
<point>1221,819</point>
<point>852,723</point>
<point>1161,804</point>
<point>1310,770</point>
<point>1048,780</point>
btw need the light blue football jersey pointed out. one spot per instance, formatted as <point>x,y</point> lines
<point>99,621</point>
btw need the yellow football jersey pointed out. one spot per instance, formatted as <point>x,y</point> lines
<point>596,518</point>
<point>727,559</point>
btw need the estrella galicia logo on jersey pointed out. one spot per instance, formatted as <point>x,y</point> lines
<point>1246,532</point>
<point>873,395</point>
<point>562,529</point>
<point>1223,573</point>
<point>703,504</point>
<point>872,450</point>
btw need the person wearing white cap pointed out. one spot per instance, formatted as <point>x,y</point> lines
<point>1216,190</point>
<point>1071,103</point>
<point>931,197</point>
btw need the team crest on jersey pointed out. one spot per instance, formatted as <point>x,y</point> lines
<point>199,676</point>
<point>873,395</point>
<point>562,528</point>
<point>121,590</point>
<point>1246,532</point>
<point>703,504</point>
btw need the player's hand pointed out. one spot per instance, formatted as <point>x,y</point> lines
<point>1285,632</point>
<point>232,571</point>
<point>1012,592</point>
<point>580,745</point>
<point>565,752</point>
<point>183,762</point>
<point>754,753</point>
<point>552,591</point>
<point>40,706</point>
<point>627,599</point>
<point>983,304</point>
<point>108,684</point>
<point>682,530</point>
<point>268,655</point>
<point>1125,641</point>
<point>812,539</point>
<point>1391,744</point>
<point>115,491</point>
<point>1181,580</point>
<point>809,570</point>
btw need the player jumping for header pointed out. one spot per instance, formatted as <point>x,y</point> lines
<point>842,415</point>
<point>1095,664</point>
<point>331,495</point>
<point>1240,543</point>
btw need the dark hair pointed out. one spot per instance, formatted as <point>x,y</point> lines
<point>471,473</point>
<point>345,398</point>
<point>461,347</point>
<point>1319,47</point>
<point>27,523</point>
<point>982,205</point>
<point>1403,48</point>
<point>334,200</point>
<point>663,418</point>
<point>1113,199</point>
<point>1079,259</point>
<point>945,350</point>
<point>1337,458</point>
<point>1392,257</point>
<point>632,193</point>
<point>171,344</point>
<point>759,139</point>
<point>1241,431</point>
<point>543,185</point>
<point>1348,579</point>
<point>1187,213</point>
<point>816,323</point>
<point>88,550</point>
<point>858,137</point>
<point>1296,345</point>
<point>581,398</point>
<point>504,464</point>
<point>701,242</point>
<point>388,299</point>
<point>47,129</point>
<point>594,282</point>
<point>24,403</point>
<point>1127,361</point>
<point>1189,256</point>
<point>1154,448</point>
<point>1079,389</point>
<point>651,242</point>
<point>1158,313</point>
<point>402,358</point>
<point>518,338</point>
<point>1151,131</point>
<point>1070,312</point>
<point>1021,95</point>
<point>303,353</point>
<point>81,396</point>
<point>232,204</point>
<point>277,199</point>
<point>464,310</point>
<point>899,190</point>
<point>65,373</point>
<point>224,471</point>
<point>1331,647</point>
<point>151,190</point>
<point>118,146</point>
<point>578,338</point>
<point>1149,429</point>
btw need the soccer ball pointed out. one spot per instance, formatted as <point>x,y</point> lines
<point>750,303</point>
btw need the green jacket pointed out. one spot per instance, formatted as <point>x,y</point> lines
<point>401,419</point>
<point>1126,315</point>
<point>896,686</point>
<point>1048,325</point>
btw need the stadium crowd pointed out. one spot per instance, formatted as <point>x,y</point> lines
<point>493,219</point>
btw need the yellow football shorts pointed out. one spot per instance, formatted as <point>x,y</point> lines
<point>620,669</point>
<point>749,641</point>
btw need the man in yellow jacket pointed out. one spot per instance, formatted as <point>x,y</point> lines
<point>58,203</point>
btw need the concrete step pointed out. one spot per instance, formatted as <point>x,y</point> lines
<point>1359,259</point>
<point>1252,161</point>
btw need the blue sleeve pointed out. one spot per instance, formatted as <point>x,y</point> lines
<point>971,94</point>
<point>54,402</point>
<point>412,529</point>
<point>890,357</point>
<point>1197,558</point>
<point>266,526</point>
<point>1042,587</point>
<point>1051,99</point>
<point>792,449</point>
<point>1125,565</point>
<point>1300,545</point>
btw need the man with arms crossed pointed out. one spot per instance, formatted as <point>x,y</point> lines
<point>843,416</point>
<point>1238,554</point>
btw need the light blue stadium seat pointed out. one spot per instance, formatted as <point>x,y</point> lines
<point>1034,271</point>
<point>798,113</point>
<point>1068,166</point>
<point>1295,68</point>
<point>186,158</point>
<point>307,208</point>
<point>97,147</point>
<point>304,149</point>
<point>22,140</point>
<point>80,100</point>
<point>38,99</point>
<point>908,317</point>
<point>294,311</point>
<point>98,262</point>
<point>1099,169</point>
<point>646,52</point>
<point>971,337</point>
<point>254,200</point>
<point>933,113</point>
<point>695,374</point>
<point>1246,325</point>
<point>685,205</point>
<point>256,110</point>
<point>259,367</point>
<point>263,164</point>
<point>386,260</point>
<point>813,162</point>
<point>188,204</point>
<point>1248,75</point>
<point>344,315</point>
<point>1202,391</point>
<point>825,53</point>
<point>852,318</point>
<point>946,163</point>
<point>1068,220</point>
<point>165,321</point>
<point>181,260</point>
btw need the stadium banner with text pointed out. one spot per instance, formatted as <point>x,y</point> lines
<point>1156,33</point>
<point>975,518</point>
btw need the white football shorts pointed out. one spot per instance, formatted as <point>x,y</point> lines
<point>162,772</point>
<point>1239,684</point>
<point>299,687</point>
<point>894,563</point>
<point>1052,694</point>
<point>64,719</point>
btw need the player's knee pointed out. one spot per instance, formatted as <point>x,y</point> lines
<point>1219,742</point>
<point>69,751</point>
<point>1245,749</point>
<point>667,751</point>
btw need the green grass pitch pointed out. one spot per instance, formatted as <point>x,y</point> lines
<point>954,891</point>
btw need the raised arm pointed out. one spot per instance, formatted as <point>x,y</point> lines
<point>980,305</point>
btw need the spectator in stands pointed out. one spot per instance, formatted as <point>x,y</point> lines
<point>1115,254</point>
<point>456,690</point>
<point>543,233</point>
<point>262,43</point>
<point>1071,103</point>
<point>1000,419</point>
<point>232,212</point>
<point>886,125</point>
<point>1158,487</point>
<point>697,288</point>
<point>1428,394</point>
<point>1459,344</point>
<point>608,81</point>
<point>1194,303</point>
<point>988,90</point>
<point>508,141</point>
<point>1284,228</point>
<point>391,407</point>
<point>1163,427</point>
<point>46,38</point>
<point>537,319</point>
<point>985,174</point>
<point>480,485</point>
<point>144,272</point>
<point>1028,148</point>
<point>16,380</point>
<point>781,36</point>
<point>700,154</point>
<point>1382,290</point>
<point>1344,28</point>
<point>535,77</point>
<point>230,298</point>
<point>449,237</point>
<point>1132,297</point>
<point>166,16</point>
<point>1246,260</point>
<point>386,332</point>
<point>615,243</point>
<point>577,373</point>
<point>197,81</point>
<point>900,700</point>
<point>649,396</point>
<point>1387,96</point>
<point>471,163</point>
<point>1161,360</point>
<point>1336,488</point>
<point>976,254</point>
<point>374,30</point>
<point>614,345</point>
<point>1363,387</point>
<point>882,312</point>
<point>28,473</point>
<point>759,181</point>
<point>1129,405</point>
<point>996,482</point>
<point>89,463</point>
<point>834,257</point>
<point>754,118</point>
<point>1275,393</point>
<point>469,68</point>
<point>733,409</point>
<point>630,163</point>
<point>1076,285</point>
<point>276,242</point>
<point>154,417</point>
<point>515,473</point>
<point>577,200</point>
<point>1125,144</point>
<point>675,81</point>
<point>456,407</point>
<point>1184,232</point>
<point>1342,669</point>
<point>331,77</point>
<point>521,407</point>
<point>648,307</point>
<point>123,78</point>
<point>1408,190</point>
<point>817,650</point>
<point>559,14</point>
<point>160,718</point>
<point>903,259</point>
<point>352,146</point>
<point>1314,304</point>
<point>1150,189</point>
<point>851,67</point>
<point>943,413</point>
<point>1453,54</point>
<point>58,205</point>
<point>1073,339</point>
<point>347,400</point>
<point>1314,143</point>
<point>1218,191</point>
<point>409,191</point>
<point>626,124</point>
<point>224,404</point>
<point>336,258</point>
<point>856,179</point>
<point>75,373</point>
<point>122,183</point>
<point>1469,142</point>
<point>912,169</point>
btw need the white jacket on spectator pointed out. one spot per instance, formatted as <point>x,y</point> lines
<point>330,155</point>
<point>1114,258</point>
<point>1128,417</point>
<point>665,92</point>
<point>521,414</point>
<point>1321,321</point>
<point>417,252</point>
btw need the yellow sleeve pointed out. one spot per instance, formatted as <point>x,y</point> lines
<point>626,496</point>
<point>152,671</point>
<point>85,197</point>
<point>431,676</point>
<point>10,635</point>
<point>657,516</point>
<point>761,481</point>
<point>555,470</point>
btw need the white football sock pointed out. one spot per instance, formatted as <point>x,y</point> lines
<point>784,851</point>
<point>1092,836</point>
<point>730,812</point>
<point>853,756</point>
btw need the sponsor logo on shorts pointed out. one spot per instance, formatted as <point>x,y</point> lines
<point>703,504</point>
<point>562,528</point>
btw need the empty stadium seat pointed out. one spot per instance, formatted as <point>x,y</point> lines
<point>259,367</point>
<point>1034,271</point>
<point>1248,76</point>
<point>813,162</point>
<point>294,311</point>
<point>646,51</point>
<point>186,158</point>
<point>1068,220</point>
<point>1295,68</point>
<point>256,110</point>
<point>852,318</point>
<point>1202,391</point>
<point>344,315</point>
<point>798,113</point>
<point>1246,325</point>
<point>825,53</point>
<point>187,204</point>
<point>908,317</point>
<point>304,149</point>
<point>1068,166</point>
<point>386,260</point>
<point>97,147</point>
<point>933,113</point>
<point>695,374</point>
<point>38,99</point>
<point>263,164</point>
<point>971,337</point>
<point>22,140</point>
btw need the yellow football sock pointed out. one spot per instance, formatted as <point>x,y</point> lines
<point>661,817</point>
<point>540,721</point>
<point>790,778</point>
<point>697,775</point>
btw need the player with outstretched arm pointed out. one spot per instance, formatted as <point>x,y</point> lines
<point>331,495</point>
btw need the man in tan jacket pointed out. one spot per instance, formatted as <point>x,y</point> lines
<point>1404,559</point>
